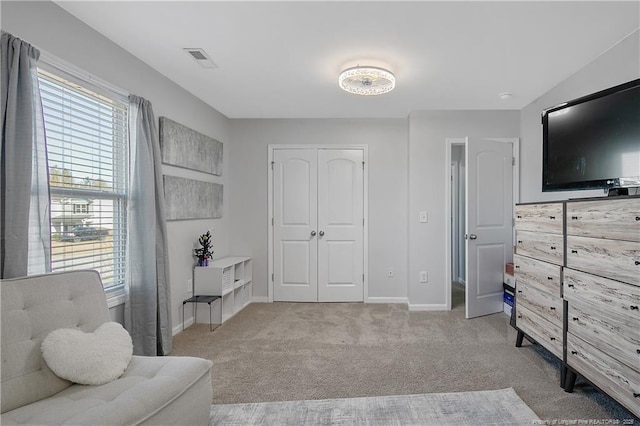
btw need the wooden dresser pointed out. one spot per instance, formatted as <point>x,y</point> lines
<point>578,290</point>
<point>602,289</point>
<point>537,265</point>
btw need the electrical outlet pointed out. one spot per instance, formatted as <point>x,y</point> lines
<point>190,285</point>
<point>390,272</point>
<point>424,277</point>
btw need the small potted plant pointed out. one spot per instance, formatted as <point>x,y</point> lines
<point>204,252</point>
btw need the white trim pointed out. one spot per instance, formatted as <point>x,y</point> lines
<point>116,300</point>
<point>260,299</point>
<point>179,328</point>
<point>52,63</point>
<point>447,214</point>
<point>402,300</point>
<point>365,177</point>
<point>429,307</point>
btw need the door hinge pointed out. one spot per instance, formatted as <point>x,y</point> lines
<point>272,163</point>
<point>271,277</point>
<point>363,221</point>
<point>363,165</point>
<point>362,277</point>
<point>271,221</point>
<point>513,161</point>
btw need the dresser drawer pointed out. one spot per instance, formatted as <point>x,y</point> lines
<point>547,247</point>
<point>613,219</point>
<point>539,217</point>
<point>619,260</point>
<point>605,295</point>
<point>542,331</point>
<point>540,302</point>
<point>613,377</point>
<point>617,335</point>
<point>546,275</point>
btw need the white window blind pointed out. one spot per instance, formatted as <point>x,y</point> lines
<point>87,146</point>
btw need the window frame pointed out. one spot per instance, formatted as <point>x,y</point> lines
<point>53,65</point>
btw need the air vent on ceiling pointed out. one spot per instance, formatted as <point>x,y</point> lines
<point>201,57</point>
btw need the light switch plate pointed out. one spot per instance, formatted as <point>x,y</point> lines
<point>424,218</point>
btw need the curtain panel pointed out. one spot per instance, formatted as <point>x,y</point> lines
<point>25,226</point>
<point>147,289</point>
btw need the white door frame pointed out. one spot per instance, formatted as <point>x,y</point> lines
<point>271,148</point>
<point>516,196</point>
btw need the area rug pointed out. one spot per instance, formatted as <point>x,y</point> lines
<point>493,407</point>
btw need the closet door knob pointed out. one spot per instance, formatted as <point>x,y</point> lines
<point>321,233</point>
<point>313,233</point>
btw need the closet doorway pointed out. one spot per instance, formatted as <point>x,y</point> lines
<point>317,235</point>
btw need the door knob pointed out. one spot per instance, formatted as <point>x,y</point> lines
<point>321,233</point>
<point>313,233</point>
<point>473,236</point>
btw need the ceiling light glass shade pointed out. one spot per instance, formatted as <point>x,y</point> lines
<point>367,81</point>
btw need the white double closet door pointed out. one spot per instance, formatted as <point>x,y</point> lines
<point>318,226</point>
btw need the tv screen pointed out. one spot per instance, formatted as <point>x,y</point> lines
<point>593,141</point>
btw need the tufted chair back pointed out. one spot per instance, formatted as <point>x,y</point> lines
<point>31,308</point>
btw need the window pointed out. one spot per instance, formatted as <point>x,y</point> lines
<point>87,147</point>
<point>80,208</point>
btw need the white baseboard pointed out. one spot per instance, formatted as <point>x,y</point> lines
<point>178,328</point>
<point>259,299</point>
<point>387,300</point>
<point>427,307</point>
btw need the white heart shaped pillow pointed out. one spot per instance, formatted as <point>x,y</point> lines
<point>88,358</point>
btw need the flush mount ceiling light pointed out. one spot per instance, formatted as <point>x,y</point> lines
<point>367,81</point>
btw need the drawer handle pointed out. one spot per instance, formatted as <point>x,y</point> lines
<point>553,247</point>
<point>637,262</point>
<point>575,318</point>
<point>574,251</point>
<point>574,217</point>
<point>553,308</point>
<point>552,338</point>
<point>520,316</point>
<point>552,217</point>
<point>570,285</point>
<point>638,351</point>
<point>519,241</point>
<point>519,291</point>
<point>633,307</point>
<point>517,266</point>
<point>636,395</point>
<point>520,217</point>
<point>574,352</point>
<point>550,278</point>
<point>637,218</point>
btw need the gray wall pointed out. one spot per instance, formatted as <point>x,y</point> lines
<point>50,28</point>
<point>387,141</point>
<point>618,65</point>
<point>428,171</point>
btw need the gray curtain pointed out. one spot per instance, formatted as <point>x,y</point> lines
<point>147,289</point>
<point>25,227</point>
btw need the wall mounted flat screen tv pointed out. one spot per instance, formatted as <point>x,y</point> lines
<point>593,141</point>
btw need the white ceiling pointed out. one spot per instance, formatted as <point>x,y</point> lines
<point>282,59</point>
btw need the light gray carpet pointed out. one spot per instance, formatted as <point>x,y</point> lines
<point>493,407</point>
<point>308,351</point>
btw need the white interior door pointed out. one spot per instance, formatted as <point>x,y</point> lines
<point>340,225</point>
<point>318,225</point>
<point>295,248</point>
<point>489,223</point>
